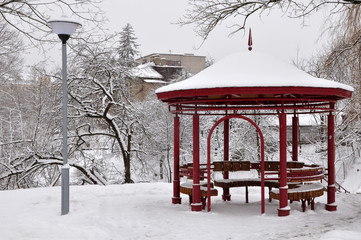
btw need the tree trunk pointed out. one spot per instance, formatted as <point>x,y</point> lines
<point>161,162</point>
<point>128,178</point>
<point>169,166</point>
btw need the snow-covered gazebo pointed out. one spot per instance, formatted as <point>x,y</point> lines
<point>240,84</point>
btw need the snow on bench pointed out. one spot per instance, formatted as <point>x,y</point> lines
<point>303,192</point>
<point>187,188</point>
<point>245,182</point>
<point>297,174</point>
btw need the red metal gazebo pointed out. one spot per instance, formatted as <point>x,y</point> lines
<point>240,84</point>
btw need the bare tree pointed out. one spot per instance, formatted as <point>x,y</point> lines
<point>341,62</point>
<point>30,142</point>
<point>207,14</point>
<point>29,17</point>
<point>99,103</point>
<point>10,48</point>
<point>157,147</point>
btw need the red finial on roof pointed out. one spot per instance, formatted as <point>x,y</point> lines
<point>250,40</point>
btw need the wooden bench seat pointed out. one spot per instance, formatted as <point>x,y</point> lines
<point>187,188</point>
<point>298,174</point>
<point>315,173</point>
<point>303,192</point>
<point>245,182</point>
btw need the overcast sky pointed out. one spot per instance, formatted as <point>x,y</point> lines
<point>153,22</point>
<point>154,25</point>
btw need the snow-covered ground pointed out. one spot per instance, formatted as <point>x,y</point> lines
<point>144,211</point>
<point>353,182</point>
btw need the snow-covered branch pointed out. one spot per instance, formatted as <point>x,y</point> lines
<point>207,15</point>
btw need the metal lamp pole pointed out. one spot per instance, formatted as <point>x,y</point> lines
<point>65,167</point>
<point>64,28</point>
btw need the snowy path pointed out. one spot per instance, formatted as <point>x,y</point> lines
<point>144,211</point>
<point>344,224</point>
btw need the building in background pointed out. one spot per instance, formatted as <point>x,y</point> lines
<point>189,62</point>
<point>144,78</point>
<point>156,70</point>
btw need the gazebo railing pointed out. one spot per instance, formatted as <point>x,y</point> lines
<point>209,109</point>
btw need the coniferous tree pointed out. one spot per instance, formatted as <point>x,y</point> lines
<point>128,48</point>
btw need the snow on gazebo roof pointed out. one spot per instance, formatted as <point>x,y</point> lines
<point>252,70</point>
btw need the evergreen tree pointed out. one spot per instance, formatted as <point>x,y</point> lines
<point>128,48</point>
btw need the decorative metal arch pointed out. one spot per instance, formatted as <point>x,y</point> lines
<point>209,158</point>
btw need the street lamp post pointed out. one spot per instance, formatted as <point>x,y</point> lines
<point>64,28</point>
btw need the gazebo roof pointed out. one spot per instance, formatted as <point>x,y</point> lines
<point>249,78</point>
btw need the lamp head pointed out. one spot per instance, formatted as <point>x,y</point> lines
<point>64,27</point>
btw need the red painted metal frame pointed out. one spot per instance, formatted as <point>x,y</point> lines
<point>241,101</point>
<point>317,92</point>
<point>331,188</point>
<point>283,189</point>
<point>304,108</point>
<point>209,158</point>
<point>226,196</point>
<point>295,138</point>
<point>176,199</point>
<point>250,43</point>
<point>196,187</point>
<point>227,100</point>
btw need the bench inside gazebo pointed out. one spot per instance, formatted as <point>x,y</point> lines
<point>234,88</point>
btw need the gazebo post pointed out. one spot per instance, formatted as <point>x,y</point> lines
<point>176,199</point>
<point>295,138</point>
<point>226,196</point>
<point>331,188</point>
<point>196,188</point>
<point>284,209</point>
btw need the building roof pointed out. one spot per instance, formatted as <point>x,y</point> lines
<point>171,54</point>
<point>146,71</point>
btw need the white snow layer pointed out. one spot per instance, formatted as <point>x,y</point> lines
<point>352,182</point>
<point>252,69</point>
<point>144,211</point>
<point>146,71</point>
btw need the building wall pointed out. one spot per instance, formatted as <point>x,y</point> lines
<point>139,89</point>
<point>193,64</point>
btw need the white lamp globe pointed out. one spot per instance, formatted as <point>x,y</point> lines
<point>64,26</point>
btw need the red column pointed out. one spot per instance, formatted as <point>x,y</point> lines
<point>284,209</point>
<point>226,196</point>
<point>196,191</point>
<point>295,138</point>
<point>176,199</point>
<point>331,201</point>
